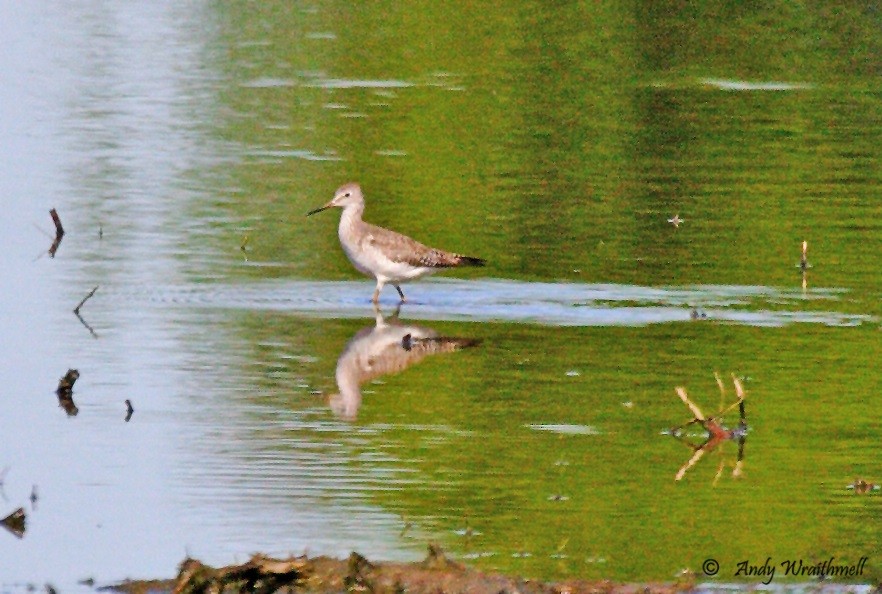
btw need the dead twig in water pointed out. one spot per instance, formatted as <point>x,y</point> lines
<point>80,318</point>
<point>59,232</point>
<point>86,298</point>
<point>716,432</point>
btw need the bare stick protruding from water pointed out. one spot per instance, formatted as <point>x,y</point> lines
<point>244,247</point>
<point>80,318</point>
<point>86,298</point>
<point>59,232</point>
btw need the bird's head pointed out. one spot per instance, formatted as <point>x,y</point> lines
<point>346,195</point>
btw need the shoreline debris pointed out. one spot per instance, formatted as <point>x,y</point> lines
<point>436,573</point>
<point>260,574</point>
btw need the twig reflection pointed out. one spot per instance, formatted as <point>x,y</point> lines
<point>80,318</point>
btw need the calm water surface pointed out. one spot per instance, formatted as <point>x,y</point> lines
<point>517,414</point>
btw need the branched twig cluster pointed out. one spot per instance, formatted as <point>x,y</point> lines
<point>717,433</point>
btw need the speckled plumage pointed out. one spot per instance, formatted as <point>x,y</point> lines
<point>388,256</point>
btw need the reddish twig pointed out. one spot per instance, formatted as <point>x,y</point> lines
<point>59,232</point>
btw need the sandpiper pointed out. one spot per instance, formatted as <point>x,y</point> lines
<point>387,256</point>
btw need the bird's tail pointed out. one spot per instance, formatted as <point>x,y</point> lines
<point>470,261</point>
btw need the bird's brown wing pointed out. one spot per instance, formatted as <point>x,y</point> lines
<point>401,248</point>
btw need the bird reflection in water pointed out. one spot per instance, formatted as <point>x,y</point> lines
<point>388,347</point>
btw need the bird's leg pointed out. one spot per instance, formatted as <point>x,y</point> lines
<point>379,288</point>
<point>400,292</point>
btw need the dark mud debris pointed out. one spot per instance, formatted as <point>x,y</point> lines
<point>66,383</point>
<point>436,574</point>
<point>65,392</point>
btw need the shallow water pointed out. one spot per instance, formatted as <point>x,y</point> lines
<point>518,414</point>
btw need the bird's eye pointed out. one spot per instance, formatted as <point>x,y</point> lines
<point>347,195</point>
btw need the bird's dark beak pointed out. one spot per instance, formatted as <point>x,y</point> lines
<point>319,209</point>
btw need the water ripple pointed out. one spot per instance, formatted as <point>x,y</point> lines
<point>744,85</point>
<point>553,304</point>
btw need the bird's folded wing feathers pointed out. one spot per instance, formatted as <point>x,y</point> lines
<point>401,248</point>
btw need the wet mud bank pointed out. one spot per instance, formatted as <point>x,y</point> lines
<point>436,573</point>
